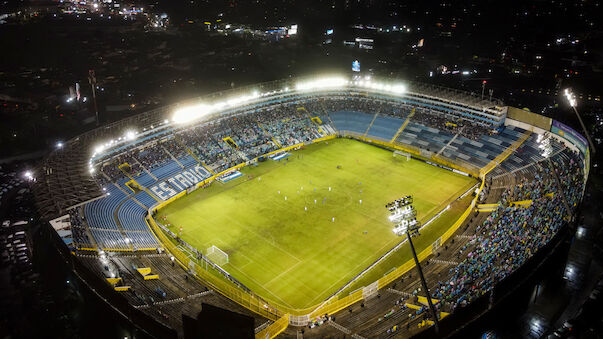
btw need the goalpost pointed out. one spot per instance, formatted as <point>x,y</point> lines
<point>402,154</point>
<point>217,256</point>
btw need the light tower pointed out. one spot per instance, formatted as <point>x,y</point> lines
<point>404,217</point>
<point>92,81</point>
<point>571,98</point>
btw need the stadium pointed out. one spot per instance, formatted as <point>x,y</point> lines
<point>269,201</point>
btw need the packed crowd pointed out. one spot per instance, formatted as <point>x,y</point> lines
<point>366,105</point>
<point>535,187</point>
<point>262,131</point>
<point>511,235</point>
<point>568,171</point>
<point>253,134</point>
<point>290,124</point>
<point>451,124</point>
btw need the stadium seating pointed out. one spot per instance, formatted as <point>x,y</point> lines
<point>385,127</point>
<point>117,221</point>
<point>351,121</point>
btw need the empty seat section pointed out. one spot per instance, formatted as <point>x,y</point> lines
<point>385,127</point>
<point>99,213</point>
<point>187,161</point>
<point>131,216</point>
<point>142,239</point>
<point>351,121</point>
<point>109,239</point>
<point>424,137</point>
<point>167,170</point>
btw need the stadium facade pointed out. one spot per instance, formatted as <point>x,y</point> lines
<point>101,190</point>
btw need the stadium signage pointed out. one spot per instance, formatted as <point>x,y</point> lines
<point>179,182</point>
<point>446,168</point>
<point>570,134</point>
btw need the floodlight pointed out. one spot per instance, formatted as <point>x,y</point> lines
<point>190,113</point>
<point>130,135</point>
<point>321,83</point>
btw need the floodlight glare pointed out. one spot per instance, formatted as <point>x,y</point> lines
<point>367,83</point>
<point>130,135</point>
<point>190,113</point>
<point>321,83</point>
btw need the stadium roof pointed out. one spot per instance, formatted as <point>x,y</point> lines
<point>63,180</point>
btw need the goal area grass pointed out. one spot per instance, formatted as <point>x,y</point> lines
<point>298,229</point>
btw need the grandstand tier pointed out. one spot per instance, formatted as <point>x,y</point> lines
<point>106,204</point>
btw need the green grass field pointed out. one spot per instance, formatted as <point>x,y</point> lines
<point>297,257</point>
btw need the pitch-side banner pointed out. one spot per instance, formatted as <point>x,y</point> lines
<point>570,134</point>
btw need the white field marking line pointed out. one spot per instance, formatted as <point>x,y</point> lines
<point>274,244</point>
<point>278,276</point>
<point>249,260</point>
<point>216,242</point>
<point>362,263</point>
<point>440,205</point>
<point>267,290</point>
<point>238,269</point>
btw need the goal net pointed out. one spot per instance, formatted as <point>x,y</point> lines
<point>217,256</point>
<point>402,154</point>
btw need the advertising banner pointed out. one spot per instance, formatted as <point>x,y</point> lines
<point>571,135</point>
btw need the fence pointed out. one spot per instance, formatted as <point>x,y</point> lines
<point>506,153</point>
<point>214,281</point>
<point>283,316</point>
<point>274,329</point>
<point>416,152</point>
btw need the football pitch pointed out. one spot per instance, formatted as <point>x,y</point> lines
<point>296,230</point>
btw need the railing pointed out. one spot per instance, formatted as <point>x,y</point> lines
<point>416,152</point>
<point>282,315</point>
<point>505,154</point>
<point>274,329</point>
<point>215,282</point>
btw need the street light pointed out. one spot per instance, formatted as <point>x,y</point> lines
<point>571,98</point>
<point>404,217</point>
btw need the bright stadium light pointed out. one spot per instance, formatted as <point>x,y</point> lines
<point>404,217</point>
<point>190,113</point>
<point>99,149</point>
<point>571,98</point>
<point>367,83</point>
<point>322,83</point>
<point>130,135</point>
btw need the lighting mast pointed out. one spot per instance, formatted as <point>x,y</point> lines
<point>404,217</point>
<point>571,98</point>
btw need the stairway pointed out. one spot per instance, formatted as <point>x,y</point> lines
<point>403,126</point>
